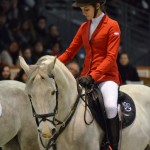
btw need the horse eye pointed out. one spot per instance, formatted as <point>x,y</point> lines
<point>53,92</point>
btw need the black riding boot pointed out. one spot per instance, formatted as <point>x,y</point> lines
<point>113,132</point>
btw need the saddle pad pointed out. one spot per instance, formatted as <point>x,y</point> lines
<point>128,109</point>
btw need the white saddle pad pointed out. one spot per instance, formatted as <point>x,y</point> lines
<point>0,110</point>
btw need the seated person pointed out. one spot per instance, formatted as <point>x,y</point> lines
<point>11,54</point>
<point>74,68</point>
<point>127,71</point>
<point>5,72</point>
<point>21,76</point>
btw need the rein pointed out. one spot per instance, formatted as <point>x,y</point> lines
<point>63,125</point>
<point>85,100</point>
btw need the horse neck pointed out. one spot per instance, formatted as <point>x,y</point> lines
<point>67,88</point>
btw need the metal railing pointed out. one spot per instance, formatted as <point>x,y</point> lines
<point>135,27</point>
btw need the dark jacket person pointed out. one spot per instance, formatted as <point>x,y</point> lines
<point>127,71</point>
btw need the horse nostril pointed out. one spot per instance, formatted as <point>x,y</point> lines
<point>53,131</point>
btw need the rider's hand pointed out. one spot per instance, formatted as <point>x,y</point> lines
<point>86,80</point>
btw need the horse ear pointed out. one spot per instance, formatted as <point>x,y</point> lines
<point>24,65</point>
<point>52,65</point>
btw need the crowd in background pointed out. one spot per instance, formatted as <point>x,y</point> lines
<point>24,31</point>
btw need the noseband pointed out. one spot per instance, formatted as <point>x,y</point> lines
<point>44,117</point>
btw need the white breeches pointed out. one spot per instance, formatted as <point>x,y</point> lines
<point>109,90</point>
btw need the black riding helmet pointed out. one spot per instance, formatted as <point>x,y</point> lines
<point>82,3</point>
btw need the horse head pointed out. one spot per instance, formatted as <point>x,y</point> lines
<point>52,91</point>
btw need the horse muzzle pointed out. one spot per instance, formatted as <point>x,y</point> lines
<point>47,132</point>
<point>46,136</point>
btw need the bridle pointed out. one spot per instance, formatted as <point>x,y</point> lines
<point>44,117</point>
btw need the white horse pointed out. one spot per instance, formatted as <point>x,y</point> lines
<point>17,126</point>
<point>42,89</point>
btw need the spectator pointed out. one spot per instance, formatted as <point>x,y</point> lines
<point>21,76</point>
<point>14,11</point>
<point>3,31</point>
<point>40,28</point>
<point>5,73</point>
<point>40,7</point>
<point>127,71</point>
<point>27,32</point>
<point>74,68</point>
<point>27,54</point>
<point>14,31</point>
<point>10,8</point>
<point>56,49</point>
<point>26,10</point>
<point>53,36</point>
<point>10,56</point>
<point>5,6</point>
<point>38,51</point>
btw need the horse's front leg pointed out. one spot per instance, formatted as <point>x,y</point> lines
<point>12,145</point>
<point>147,148</point>
<point>28,139</point>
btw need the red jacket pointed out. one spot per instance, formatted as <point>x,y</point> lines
<point>101,50</point>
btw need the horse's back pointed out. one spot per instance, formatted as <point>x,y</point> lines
<point>12,99</point>
<point>137,92</point>
<point>134,87</point>
<point>11,86</point>
<point>141,97</point>
<point>140,127</point>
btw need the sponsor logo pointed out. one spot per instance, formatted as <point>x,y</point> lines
<point>127,106</point>
<point>116,33</point>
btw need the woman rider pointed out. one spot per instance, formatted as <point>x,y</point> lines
<point>100,36</point>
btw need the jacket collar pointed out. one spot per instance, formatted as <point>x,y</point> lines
<point>101,24</point>
<point>98,19</point>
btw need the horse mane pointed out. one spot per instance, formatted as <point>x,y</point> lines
<point>58,66</point>
<point>42,70</point>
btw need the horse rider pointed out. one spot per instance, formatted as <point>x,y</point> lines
<point>100,36</point>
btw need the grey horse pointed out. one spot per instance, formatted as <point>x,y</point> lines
<point>53,92</point>
<point>17,125</point>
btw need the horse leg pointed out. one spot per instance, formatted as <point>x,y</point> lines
<point>12,145</point>
<point>28,139</point>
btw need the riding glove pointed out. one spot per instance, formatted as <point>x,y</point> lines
<point>86,80</point>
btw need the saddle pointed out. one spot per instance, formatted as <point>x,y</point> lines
<point>96,106</point>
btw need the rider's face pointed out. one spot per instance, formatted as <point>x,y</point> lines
<point>88,11</point>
